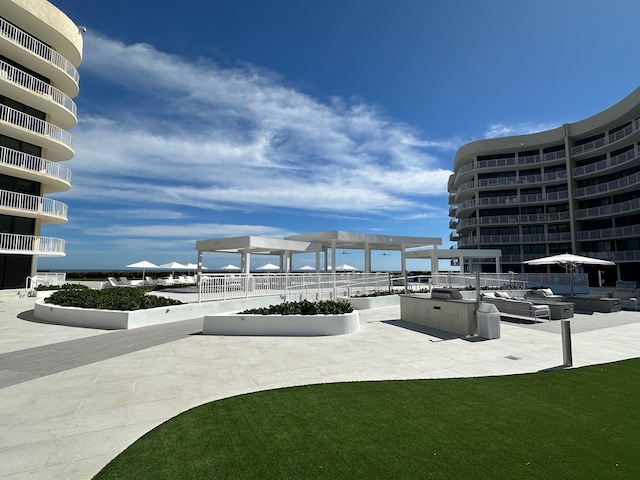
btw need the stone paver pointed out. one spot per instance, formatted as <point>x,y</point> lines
<point>79,396</point>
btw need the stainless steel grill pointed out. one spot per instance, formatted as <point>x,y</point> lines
<point>446,294</point>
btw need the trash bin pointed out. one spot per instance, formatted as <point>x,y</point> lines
<point>488,317</point>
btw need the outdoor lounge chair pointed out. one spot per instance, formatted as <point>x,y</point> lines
<point>512,306</point>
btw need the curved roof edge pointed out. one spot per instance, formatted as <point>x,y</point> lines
<point>52,25</point>
<point>612,116</point>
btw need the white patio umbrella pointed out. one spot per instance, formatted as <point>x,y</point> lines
<point>230,268</point>
<point>144,264</point>
<point>569,262</point>
<point>174,266</point>
<point>194,266</point>
<point>269,267</point>
<point>346,268</point>
<point>307,268</point>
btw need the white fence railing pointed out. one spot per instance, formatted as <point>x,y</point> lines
<point>35,164</point>
<point>30,244</point>
<point>36,125</point>
<point>291,285</point>
<point>34,84</point>
<point>514,280</point>
<point>34,45</point>
<point>45,278</point>
<point>317,286</point>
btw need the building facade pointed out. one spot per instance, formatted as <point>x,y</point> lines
<point>573,189</point>
<point>40,48</point>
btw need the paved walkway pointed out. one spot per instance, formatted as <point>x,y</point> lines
<point>72,399</point>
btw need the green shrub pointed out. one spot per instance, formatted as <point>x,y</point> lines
<point>305,307</point>
<point>377,293</point>
<point>66,286</point>
<point>129,298</point>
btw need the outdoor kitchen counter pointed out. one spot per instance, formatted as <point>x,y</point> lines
<point>451,315</point>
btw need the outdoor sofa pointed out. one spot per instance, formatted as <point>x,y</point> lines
<point>513,306</point>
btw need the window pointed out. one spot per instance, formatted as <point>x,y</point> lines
<point>23,226</point>
<point>532,230</point>
<point>534,249</point>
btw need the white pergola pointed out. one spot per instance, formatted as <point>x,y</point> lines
<point>337,239</point>
<point>461,254</point>
<point>247,245</point>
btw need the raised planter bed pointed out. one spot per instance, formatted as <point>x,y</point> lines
<point>283,325</point>
<point>118,319</point>
<point>365,303</point>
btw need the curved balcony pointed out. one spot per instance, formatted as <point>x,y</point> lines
<point>32,91</point>
<point>512,181</point>
<point>609,163</point>
<point>607,140</point>
<point>537,218</point>
<point>32,206</point>
<point>609,233</point>
<point>631,181</point>
<point>53,176</point>
<point>515,239</point>
<point>501,163</point>
<point>631,206</point>
<point>58,142</point>
<point>32,53</point>
<point>515,200</point>
<point>14,243</point>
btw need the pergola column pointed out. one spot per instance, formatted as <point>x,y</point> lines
<point>367,258</point>
<point>333,257</point>
<point>199,271</point>
<point>434,260</point>
<point>246,262</point>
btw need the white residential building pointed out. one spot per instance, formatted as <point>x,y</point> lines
<point>40,48</point>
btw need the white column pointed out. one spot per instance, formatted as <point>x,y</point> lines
<point>246,262</point>
<point>317,261</point>
<point>434,260</point>
<point>199,271</point>
<point>367,258</point>
<point>333,256</point>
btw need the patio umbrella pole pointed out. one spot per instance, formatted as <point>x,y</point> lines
<point>566,343</point>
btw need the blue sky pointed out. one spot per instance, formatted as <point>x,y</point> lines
<point>275,118</point>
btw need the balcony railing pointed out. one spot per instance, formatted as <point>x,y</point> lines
<point>35,46</point>
<point>515,239</point>
<point>624,256</point>
<point>601,142</point>
<point>524,180</point>
<point>20,119</point>
<point>624,182</point>
<point>36,85</point>
<point>512,200</point>
<point>16,243</point>
<point>511,162</point>
<point>606,210</point>
<point>514,219</point>
<point>625,157</point>
<point>608,233</point>
<point>34,164</point>
<point>32,203</point>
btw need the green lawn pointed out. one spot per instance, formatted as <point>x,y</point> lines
<point>574,424</point>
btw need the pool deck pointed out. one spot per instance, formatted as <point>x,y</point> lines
<point>73,398</point>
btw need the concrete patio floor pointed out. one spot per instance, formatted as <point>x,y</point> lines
<point>72,398</point>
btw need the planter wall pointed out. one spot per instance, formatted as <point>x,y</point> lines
<point>116,319</point>
<point>284,325</point>
<point>365,303</point>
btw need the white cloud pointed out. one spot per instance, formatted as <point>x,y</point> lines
<point>193,231</point>
<point>195,134</point>
<point>503,130</point>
